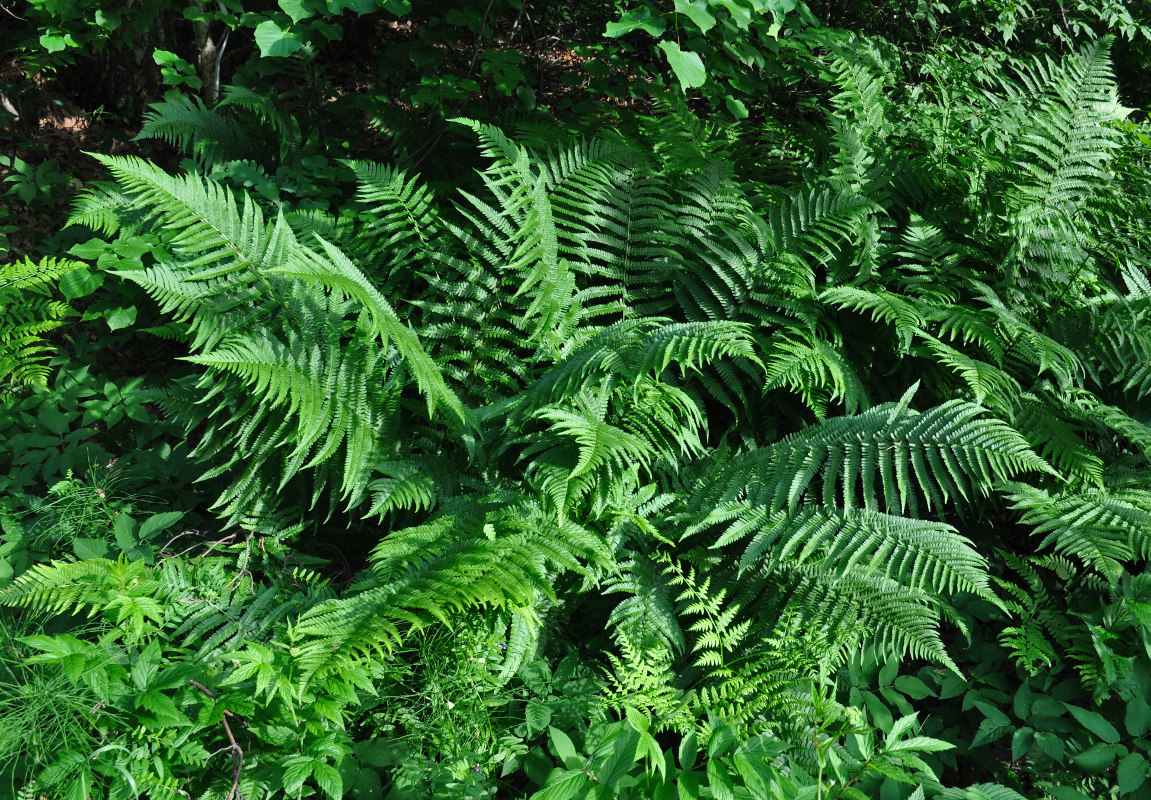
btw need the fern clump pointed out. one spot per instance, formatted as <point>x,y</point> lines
<point>755,442</point>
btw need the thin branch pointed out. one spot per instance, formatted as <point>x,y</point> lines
<point>237,751</point>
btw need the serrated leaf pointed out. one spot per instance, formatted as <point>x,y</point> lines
<point>688,750</point>
<point>158,522</point>
<point>1097,758</point>
<point>1132,773</point>
<point>329,779</point>
<point>87,549</point>
<point>1137,718</point>
<point>913,687</point>
<point>719,780</point>
<point>563,786</point>
<point>1021,742</point>
<point>537,715</point>
<point>564,749</point>
<point>1094,722</point>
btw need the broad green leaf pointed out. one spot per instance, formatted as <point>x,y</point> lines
<point>641,18</point>
<point>158,522</point>
<point>1094,722</point>
<point>80,283</point>
<point>53,419</point>
<point>688,751</point>
<point>637,720</point>
<point>537,715</point>
<point>722,738</point>
<point>648,749</point>
<point>1096,758</point>
<point>1021,704</point>
<point>993,714</point>
<point>297,9</point>
<point>108,19</point>
<point>1137,718</point>
<point>1021,742</point>
<point>736,106</point>
<point>276,42</point>
<point>889,671</point>
<point>698,11</point>
<point>564,786</point>
<point>739,13</point>
<point>687,66</point>
<point>380,753</point>
<point>1132,773</point>
<point>687,785</point>
<point>367,785</point>
<point>719,780</point>
<point>86,548</point>
<point>329,779</point>
<point>913,687</point>
<point>124,530</point>
<point>55,44</point>
<point>120,317</point>
<point>564,749</point>
<point>781,8</point>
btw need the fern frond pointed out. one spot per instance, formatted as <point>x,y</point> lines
<point>403,223</point>
<point>885,306</point>
<point>183,121</point>
<point>28,311</point>
<point>1057,440</point>
<point>898,620</point>
<point>817,371</point>
<point>334,270</point>
<point>647,616</point>
<point>816,224</point>
<point>1104,529</point>
<point>469,557</point>
<point>984,381</point>
<point>923,555</point>
<point>886,458</point>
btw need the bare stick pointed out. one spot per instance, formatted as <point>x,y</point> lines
<point>237,751</point>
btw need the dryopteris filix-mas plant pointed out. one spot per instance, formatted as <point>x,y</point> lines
<point>751,430</point>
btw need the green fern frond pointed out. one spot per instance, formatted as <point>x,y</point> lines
<point>985,381</point>
<point>923,555</point>
<point>647,616</point>
<point>885,458</point>
<point>1104,529</point>
<point>334,270</point>
<point>886,306</point>
<point>817,371</point>
<point>468,557</point>
<point>898,620</point>
<point>28,311</point>
<point>403,223</point>
<point>184,122</point>
<point>815,225</point>
<point>1057,440</point>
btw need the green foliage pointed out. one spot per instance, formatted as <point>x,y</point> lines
<point>30,310</point>
<point>685,460</point>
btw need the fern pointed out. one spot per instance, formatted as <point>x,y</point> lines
<point>493,555</point>
<point>30,311</point>
<point>1103,528</point>
<point>886,458</point>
